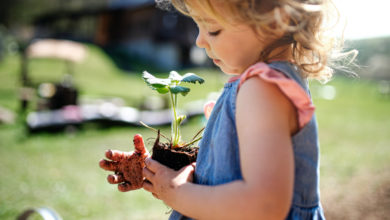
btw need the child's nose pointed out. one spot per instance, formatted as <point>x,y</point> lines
<point>200,41</point>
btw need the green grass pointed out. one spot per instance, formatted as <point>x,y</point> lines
<point>61,170</point>
<point>354,129</point>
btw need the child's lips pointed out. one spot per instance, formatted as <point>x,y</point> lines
<point>216,61</point>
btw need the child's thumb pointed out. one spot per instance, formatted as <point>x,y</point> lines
<point>193,164</point>
<point>139,144</point>
<point>187,170</point>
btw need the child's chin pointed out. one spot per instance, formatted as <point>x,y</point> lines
<point>229,71</point>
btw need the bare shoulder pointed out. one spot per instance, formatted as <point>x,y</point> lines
<point>264,104</point>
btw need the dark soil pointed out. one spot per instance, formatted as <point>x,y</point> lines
<point>132,170</point>
<point>173,158</point>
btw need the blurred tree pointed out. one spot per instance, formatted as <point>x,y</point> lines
<point>23,12</point>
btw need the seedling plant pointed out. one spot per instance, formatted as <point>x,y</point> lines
<point>172,85</point>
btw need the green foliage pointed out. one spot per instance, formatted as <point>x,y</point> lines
<point>172,85</point>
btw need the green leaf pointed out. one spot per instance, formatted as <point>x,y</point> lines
<point>146,75</point>
<point>175,76</point>
<point>158,83</point>
<point>155,82</point>
<point>192,78</point>
<point>163,90</point>
<point>179,89</point>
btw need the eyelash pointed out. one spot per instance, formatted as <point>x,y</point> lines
<point>214,33</point>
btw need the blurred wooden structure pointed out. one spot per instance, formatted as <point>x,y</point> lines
<point>59,49</point>
<point>130,31</point>
<point>53,95</point>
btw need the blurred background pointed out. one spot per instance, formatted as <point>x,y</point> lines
<point>71,87</point>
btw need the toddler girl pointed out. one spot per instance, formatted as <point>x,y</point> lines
<point>259,156</point>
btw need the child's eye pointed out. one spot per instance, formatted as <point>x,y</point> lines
<point>214,33</point>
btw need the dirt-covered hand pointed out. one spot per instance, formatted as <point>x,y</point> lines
<point>127,166</point>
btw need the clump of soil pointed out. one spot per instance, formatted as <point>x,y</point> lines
<point>173,158</point>
<point>132,170</point>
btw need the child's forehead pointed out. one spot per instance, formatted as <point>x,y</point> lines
<point>201,16</point>
<point>205,13</point>
<point>214,14</point>
<point>205,20</point>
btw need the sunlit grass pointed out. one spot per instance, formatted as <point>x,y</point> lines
<point>354,128</point>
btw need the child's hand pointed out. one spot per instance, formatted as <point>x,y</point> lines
<point>127,166</point>
<point>162,181</point>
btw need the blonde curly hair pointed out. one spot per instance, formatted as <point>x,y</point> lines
<point>304,24</point>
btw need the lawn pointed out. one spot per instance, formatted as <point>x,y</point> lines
<point>61,170</point>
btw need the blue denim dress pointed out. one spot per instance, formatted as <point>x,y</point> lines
<point>219,160</point>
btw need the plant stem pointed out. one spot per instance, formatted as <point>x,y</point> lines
<point>153,129</point>
<point>174,121</point>
<point>193,141</point>
<point>196,135</point>
<point>177,134</point>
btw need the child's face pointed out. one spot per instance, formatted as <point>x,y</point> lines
<point>233,48</point>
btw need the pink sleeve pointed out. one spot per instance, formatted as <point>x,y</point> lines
<point>290,88</point>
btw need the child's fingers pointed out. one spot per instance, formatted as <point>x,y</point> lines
<point>155,196</point>
<point>149,175</point>
<point>115,155</point>
<point>108,165</point>
<point>152,165</point>
<point>115,179</point>
<point>188,171</point>
<point>148,186</point>
<point>125,187</point>
<point>139,144</point>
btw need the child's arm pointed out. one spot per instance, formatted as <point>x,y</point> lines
<point>265,121</point>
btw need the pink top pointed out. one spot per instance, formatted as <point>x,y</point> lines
<point>291,89</point>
